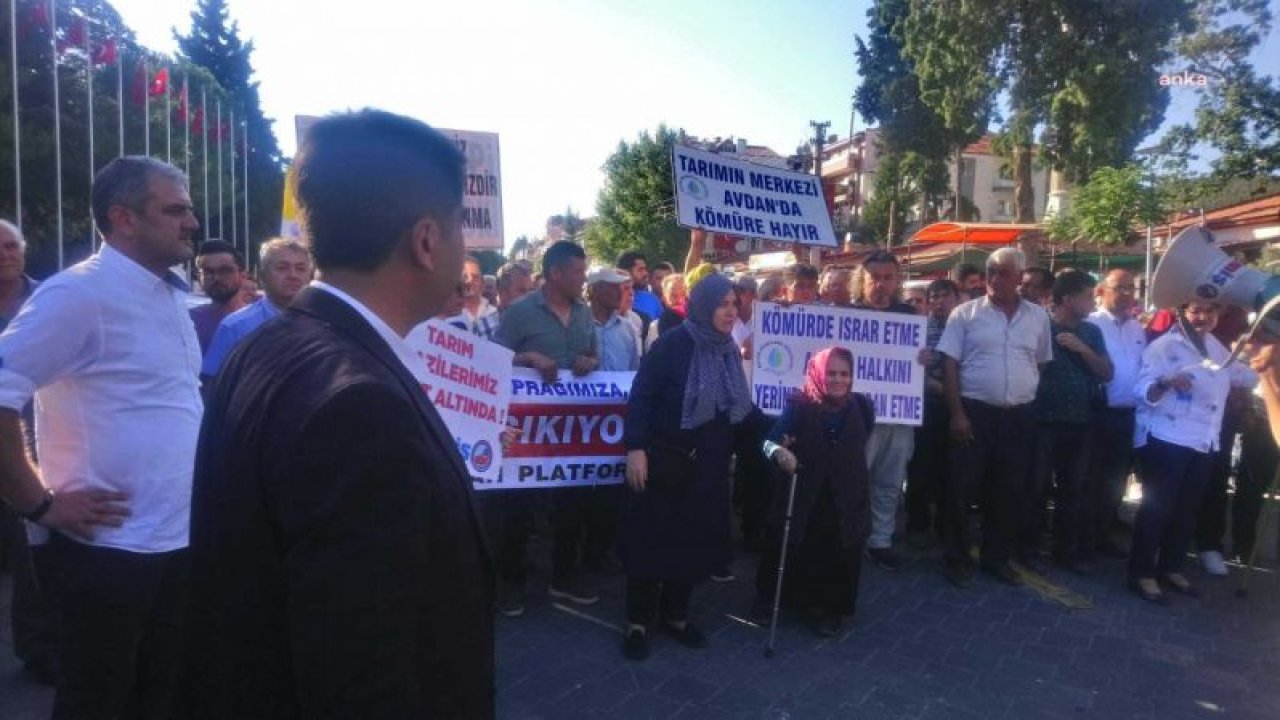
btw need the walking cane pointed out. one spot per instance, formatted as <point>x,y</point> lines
<point>782,561</point>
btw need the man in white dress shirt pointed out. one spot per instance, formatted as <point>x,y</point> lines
<point>111,355</point>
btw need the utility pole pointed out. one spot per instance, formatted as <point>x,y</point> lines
<point>819,140</point>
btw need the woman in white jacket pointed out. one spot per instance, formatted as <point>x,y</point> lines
<point>1181,393</point>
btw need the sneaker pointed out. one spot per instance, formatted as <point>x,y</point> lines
<point>723,575</point>
<point>885,558</point>
<point>511,601</point>
<point>1213,563</point>
<point>635,646</point>
<point>573,592</point>
<point>689,635</point>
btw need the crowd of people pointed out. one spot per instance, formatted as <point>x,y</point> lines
<point>249,508</point>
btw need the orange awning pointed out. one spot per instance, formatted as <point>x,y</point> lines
<point>972,233</point>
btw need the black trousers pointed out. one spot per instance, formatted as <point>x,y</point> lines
<point>821,573</point>
<point>993,468</point>
<point>1173,480</point>
<point>928,469</point>
<point>569,508</point>
<point>122,629</point>
<point>1211,520</point>
<point>1259,466</point>
<point>509,517</point>
<point>647,598</point>
<point>1112,461</point>
<point>34,617</point>
<point>603,507</point>
<point>1061,464</point>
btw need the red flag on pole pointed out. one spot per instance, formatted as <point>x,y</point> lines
<point>76,34</point>
<point>197,121</point>
<point>105,54</point>
<point>160,83</point>
<point>139,87</point>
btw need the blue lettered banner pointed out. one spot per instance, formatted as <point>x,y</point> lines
<point>719,193</point>
<point>568,432</point>
<point>885,348</point>
<point>468,379</point>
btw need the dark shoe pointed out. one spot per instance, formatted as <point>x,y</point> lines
<point>885,558</point>
<point>1003,572</point>
<point>511,601</point>
<point>829,626</point>
<point>1181,585</point>
<point>635,646</point>
<point>573,592</point>
<point>1109,549</point>
<point>723,575</point>
<point>1150,596</point>
<point>688,636</point>
<point>958,574</point>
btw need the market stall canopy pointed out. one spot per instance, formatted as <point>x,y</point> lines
<point>972,233</point>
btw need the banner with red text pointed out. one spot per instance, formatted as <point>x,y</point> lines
<point>469,381</point>
<point>569,432</point>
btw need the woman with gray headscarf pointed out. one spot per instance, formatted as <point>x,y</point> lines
<point>688,400</point>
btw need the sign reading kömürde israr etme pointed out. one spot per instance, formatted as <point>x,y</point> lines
<point>719,193</point>
<point>885,347</point>
<point>481,189</point>
<point>568,432</point>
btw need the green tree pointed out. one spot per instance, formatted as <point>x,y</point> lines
<point>214,43</point>
<point>636,207</point>
<point>1238,111</point>
<point>1108,208</point>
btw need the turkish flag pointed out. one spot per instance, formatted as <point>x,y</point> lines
<point>197,121</point>
<point>105,54</point>
<point>77,33</point>
<point>160,83</point>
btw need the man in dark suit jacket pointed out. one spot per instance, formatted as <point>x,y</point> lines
<point>339,568</point>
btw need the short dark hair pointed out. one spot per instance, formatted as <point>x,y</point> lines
<point>365,178</point>
<point>881,256</point>
<point>1045,277</point>
<point>1071,282</point>
<point>559,255</point>
<point>964,271</point>
<point>126,181</point>
<point>800,271</point>
<point>628,259</point>
<point>943,285</point>
<point>220,247</point>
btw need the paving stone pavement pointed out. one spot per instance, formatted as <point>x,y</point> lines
<point>918,649</point>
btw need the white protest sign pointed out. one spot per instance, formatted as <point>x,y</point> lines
<point>481,189</point>
<point>720,193</point>
<point>468,379</point>
<point>569,432</point>
<point>885,347</point>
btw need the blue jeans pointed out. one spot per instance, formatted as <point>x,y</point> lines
<point>1173,480</point>
<point>889,448</point>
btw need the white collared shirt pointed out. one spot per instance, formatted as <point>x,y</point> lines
<point>999,358</point>
<point>1194,419</point>
<point>399,346</point>
<point>110,354</point>
<point>483,322</point>
<point>1125,339</point>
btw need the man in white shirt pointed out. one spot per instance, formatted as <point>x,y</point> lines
<point>111,355</point>
<point>479,315</point>
<point>994,347</point>
<point>1113,453</point>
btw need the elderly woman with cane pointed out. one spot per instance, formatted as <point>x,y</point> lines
<point>825,429</point>
<point>688,400</point>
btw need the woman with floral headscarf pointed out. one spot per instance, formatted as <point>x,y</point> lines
<point>825,430</point>
<point>688,401</point>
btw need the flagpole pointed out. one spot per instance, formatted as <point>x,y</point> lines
<point>168,127</point>
<point>146,108</point>
<point>231,152</point>
<point>120,101</point>
<point>244,158</point>
<point>217,139</point>
<point>17,134</point>
<point>186,124</point>
<point>204,160</point>
<point>88,83</point>
<point>57,129</point>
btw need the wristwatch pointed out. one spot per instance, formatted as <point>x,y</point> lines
<point>46,502</point>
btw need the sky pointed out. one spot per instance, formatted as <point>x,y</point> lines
<point>560,82</point>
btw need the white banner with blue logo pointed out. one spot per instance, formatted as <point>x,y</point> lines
<point>719,193</point>
<point>885,347</point>
<point>468,379</point>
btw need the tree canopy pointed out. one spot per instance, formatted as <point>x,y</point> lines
<point>636,207</point>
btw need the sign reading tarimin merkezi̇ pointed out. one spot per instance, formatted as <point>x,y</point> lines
<point>481,189</point>
<point>468,379</point>
<point>719,193</point>
<point>885,346</point>
<point>569,432</point>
